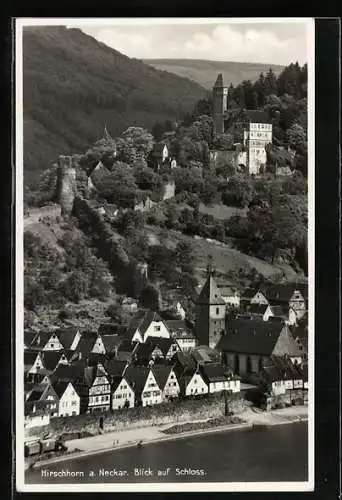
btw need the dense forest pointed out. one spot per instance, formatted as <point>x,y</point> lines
<point>74,85</point>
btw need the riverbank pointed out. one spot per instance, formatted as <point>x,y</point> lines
<point>119,440</point>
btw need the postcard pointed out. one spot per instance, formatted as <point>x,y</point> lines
<point>164,281</point>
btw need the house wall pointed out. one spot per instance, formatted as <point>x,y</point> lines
<point>37,365</point>
<point>286,344</point>
<point>186,344</point>
<point>267,314</point>
<point>218,386</point>
<point>196,386</point>
<point>180,311</point>
<point>75,342</point>
<point>99,394</point>
<point>53,344</point>
<point>69,404</point>
<point>171,388</point>
<point>151,395</point>
<point>232,300</point>
<point>52,402</point>
<point>36,421</point>
<point>242,368</point>
<point>259,298</point>
<point>278,387</point>
<point>157,329</point>
<point>123,393</point>
<point>99,347</point>
<point>169,190</point>
<point>292,319</point>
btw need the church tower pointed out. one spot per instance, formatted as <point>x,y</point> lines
<point>220,96</point>
<point>210,313</point>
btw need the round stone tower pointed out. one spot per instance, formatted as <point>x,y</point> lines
<point>66,187</point>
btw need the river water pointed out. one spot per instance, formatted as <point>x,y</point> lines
<point>278,453</point>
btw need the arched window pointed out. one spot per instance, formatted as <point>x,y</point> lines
<point>249,365</point>
<point>237,364</point>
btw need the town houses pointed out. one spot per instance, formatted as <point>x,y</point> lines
<point>257,336</point>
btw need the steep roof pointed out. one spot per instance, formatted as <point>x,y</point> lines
<point>35,394</point>
<point>184,361</point>
<point>214,372</point>
<point>70,372</point>
<point>204,354</point>
<point>60,387</point>
<point>109,329</point>
<point>250,336</point>
<point>283,291</point>
<point>50,359</point>
<point>219,81</point>
<point>280,311</point>
<point>110,342</point>
<point>29,358</point>
<point>210,293</point>
<point>180,328</point>
<point>161,374</point>
<point>116,367</point>
<point>66,336</point>
<point>158,148</point>
<point>257,308</point>
<point>42,338</point>
<point>115,382</point>
<point>85,345</point>
<point>281,368</point>
<point>29,337</point>
<point>98,172</point>
<point>142,320</point>
<point>136,377</point>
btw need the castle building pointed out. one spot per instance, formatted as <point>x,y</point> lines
<point>256,136</point>
<point>210,310</point>
<point>257,129</point>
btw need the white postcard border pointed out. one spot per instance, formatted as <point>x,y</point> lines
<point>21,486</point>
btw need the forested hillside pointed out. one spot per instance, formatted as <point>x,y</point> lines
<point>205,72</point>
<point>74,85</point>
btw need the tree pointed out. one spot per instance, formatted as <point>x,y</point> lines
<point>34,294</point>
<point>149,298</point>
<point>239,192</point>
<point>224,142</point>
<point>184,256</point>
<point>282,226</point>
<point>76,286</point>
<point>119,186</point>
<point>135,143</point>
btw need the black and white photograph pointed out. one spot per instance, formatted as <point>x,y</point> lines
<point>164,254</point>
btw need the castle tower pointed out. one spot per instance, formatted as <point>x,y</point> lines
<point>210,313</point>
<point>220,96</point>
<point>66,187</point>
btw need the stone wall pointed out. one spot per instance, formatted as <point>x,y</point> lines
<point>210,406</point>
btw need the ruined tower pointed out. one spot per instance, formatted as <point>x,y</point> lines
<point>220,96</point>
<point>66,186</point>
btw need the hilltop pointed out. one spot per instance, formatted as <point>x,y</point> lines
<point>74,85</point>
<point>205,72</point>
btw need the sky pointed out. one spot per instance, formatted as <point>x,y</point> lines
<point>262,42</point>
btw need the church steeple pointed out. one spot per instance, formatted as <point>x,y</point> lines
<point>210,311</point>
<point>106,134</point>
